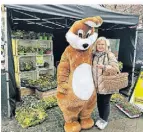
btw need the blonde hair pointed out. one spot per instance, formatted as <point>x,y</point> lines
<point>107,44</point>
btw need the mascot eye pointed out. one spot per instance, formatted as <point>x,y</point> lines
<point>88,33</point>
<point>80,33</point>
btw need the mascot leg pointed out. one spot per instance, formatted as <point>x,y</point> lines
<point>71,122</point>
<point>71,115</point>
<point>86,121</point>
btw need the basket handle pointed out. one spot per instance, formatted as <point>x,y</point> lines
<point>118,72</point>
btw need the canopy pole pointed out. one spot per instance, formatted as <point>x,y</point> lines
<point>134,61</point>
<point>6,62</point>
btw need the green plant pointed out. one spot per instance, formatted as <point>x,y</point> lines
<point>40,50</point>
<point>50,101</point>
<point>18,34</point>
<point>21,49</point>
<point>117,98</point>
<point>28,66</point>
<point>120,65</point>
<point>30,111</point>
<point>31,82</point>
<point>21,66</point>
<point>49,36</point>
<point>129,108</point>
<point>54,84</point>
<point>30,49</point>
<point>28,116</point>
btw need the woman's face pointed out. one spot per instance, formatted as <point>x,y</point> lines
<point>101,45</point>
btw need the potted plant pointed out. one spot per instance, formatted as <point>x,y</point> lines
<point>21,49</point>
<point>49,36</point>
<point>46,64</point>
<point>19,34</point>
<point>28,66</point>
<point>48,51</point>
<point>43,87</point>
<point>24,82</point>
<point>40,36</point>
<point>32,35</point>
<point>21,66</point>
<point>13,34</point>
<point>41,51</point>
<point>54,84</point>
<point>25,35</point>
<point>34,83</point>
<point>45,36</point>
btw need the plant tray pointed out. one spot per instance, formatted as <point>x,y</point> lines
<point>45,89</point>
<point>127,113</point>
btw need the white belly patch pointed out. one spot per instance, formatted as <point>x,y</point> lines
<point>82,83</point>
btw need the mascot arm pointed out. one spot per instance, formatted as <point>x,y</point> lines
<point>63,73</point>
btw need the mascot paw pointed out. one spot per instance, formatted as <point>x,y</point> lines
<point>86,123</point>
<point>60,95</point>
<point>72,127</point>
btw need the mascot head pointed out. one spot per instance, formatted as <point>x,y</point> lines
<point>82,33</point>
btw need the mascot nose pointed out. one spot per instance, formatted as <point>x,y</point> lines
<point>85,45</point>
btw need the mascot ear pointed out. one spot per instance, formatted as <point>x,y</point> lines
<point>93,21</point>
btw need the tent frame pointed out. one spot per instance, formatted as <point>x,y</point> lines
<point>43,20</point>
<point>133,68</point>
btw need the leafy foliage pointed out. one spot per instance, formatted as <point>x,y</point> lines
<point>31,111</point>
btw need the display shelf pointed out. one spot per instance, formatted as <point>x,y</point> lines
<point>31,59</point>
<point>43,69</point>
<point>27,71</point>
<point>33,54</point>
<point>26,54</point>
<point>31,47</point>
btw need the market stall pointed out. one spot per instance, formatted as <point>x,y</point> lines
<point>56,20</point>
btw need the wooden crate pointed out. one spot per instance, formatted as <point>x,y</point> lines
<point>26,91</point>
<point>44,95</point>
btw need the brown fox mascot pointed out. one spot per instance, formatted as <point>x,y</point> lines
<point>76,93</point>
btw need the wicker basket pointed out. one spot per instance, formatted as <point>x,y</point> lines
<point>115,82</point>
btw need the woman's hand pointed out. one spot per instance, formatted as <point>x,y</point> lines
<point>101,66</point>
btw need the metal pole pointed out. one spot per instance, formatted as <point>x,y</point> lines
<point>6,61</point>
<point>134,61</point>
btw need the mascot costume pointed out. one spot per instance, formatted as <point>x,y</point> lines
<point>76,93</point>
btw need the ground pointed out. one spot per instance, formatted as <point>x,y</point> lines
<point>118,122</point>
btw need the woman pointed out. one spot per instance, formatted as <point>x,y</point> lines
<point>104,63</point>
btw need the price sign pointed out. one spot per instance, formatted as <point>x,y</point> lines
<point>39,60</point>
<point>137,95</point>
